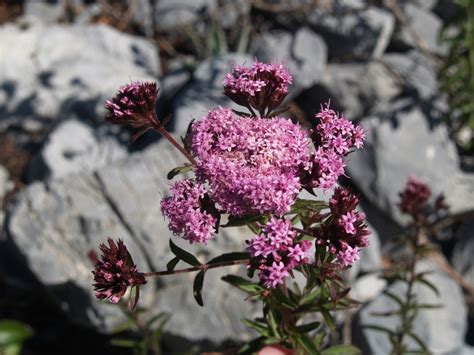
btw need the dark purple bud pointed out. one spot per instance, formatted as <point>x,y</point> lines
<point>115,272</point>
<point>414,197</point>
<point>134,105</point>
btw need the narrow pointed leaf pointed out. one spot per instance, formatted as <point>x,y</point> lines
<point>184,255</point>
<point>260,327</point>
<point>243,284</point>
<point>307,345</point>
<point>242,221</point>
<point>179,170</point>
<point>252,347</point>
<point>230,257</point>
<point>172,263</point>
<point>134,296</point>
<point>306,328</point>
<point>197,287</point>
<point>418,340</point>
<point>342,350</point>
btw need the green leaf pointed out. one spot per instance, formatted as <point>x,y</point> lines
<point>125,343</point>
<point>260,327</point>
<point>253,346</point>
<point>12,349</point>
<point>427,283</point>
<point>134,296</point>
<point>342,350</point>
<point>385,314</point>
<point>281,299</point>
<point>128,325</point>
<point>395,298</point>
<point>274,321</point>
<point>13,332</point>
<point>243,221</point>
<point>197,287</point>
<point>311,297</point>
<point>307,344</point>
<point>243,284</point>
<point>306,328</point>
<point>426,306</point>
<point>328,318</point>
<point>418,340</point>
<point>179,170</point>
<point>230,257</point>
<point>184,255</point>
<point>162,317</point>
<point>303,205</point>
<point>172,263</point>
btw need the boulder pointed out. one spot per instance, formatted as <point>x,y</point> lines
<point>353,88</point>
<point>463,250</point>
<point>73,147</point>
<point>425,24</point>
<point>204,91</point>
<point>417,74</point>
<point>401,141</point>
<point>352,30</point>
<point>50,72</point>
<point>304,52</point>
<point>54,225</point>
<point>172,14</point>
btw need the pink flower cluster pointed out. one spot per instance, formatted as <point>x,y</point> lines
<point>251,164</point>
<point>260,86</point>
<point>345,231</point>
<point>334,138</point>
<point>415,196</point>
<point>186,214</point>
<point>275,253</point>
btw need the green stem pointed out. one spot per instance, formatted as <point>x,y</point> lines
<point>405,318</point>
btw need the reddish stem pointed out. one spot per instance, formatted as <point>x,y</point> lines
<point>196,268</point>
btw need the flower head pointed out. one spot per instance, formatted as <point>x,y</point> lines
<point>188,215</point>
<point>251,164</point>
<point>115,272</point>
<point>134,105</point>
<point>415,196</point>
<point>261,86</point>
<point>275,252</point>
<point>334,138</point>
<point>345,231</point>
<point>347,256</point>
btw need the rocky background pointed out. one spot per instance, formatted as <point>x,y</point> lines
<point>68,180</point>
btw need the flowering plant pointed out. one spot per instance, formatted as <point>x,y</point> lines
<point>250,168</point>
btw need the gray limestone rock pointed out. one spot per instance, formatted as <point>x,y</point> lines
<point>441,329</point>
<point>353,88</point>
<point>73,147</point>
<point>351,29</point>
<point>204,92</point>
<point>464,250</point>
<point>50,72</point>
<point>417,75</point>
<point>172,14</point>
<point>400,142</point>
<point>55,224</point>
<point>304,52</point>
<point>5,184</point>
<point>425,24</point>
